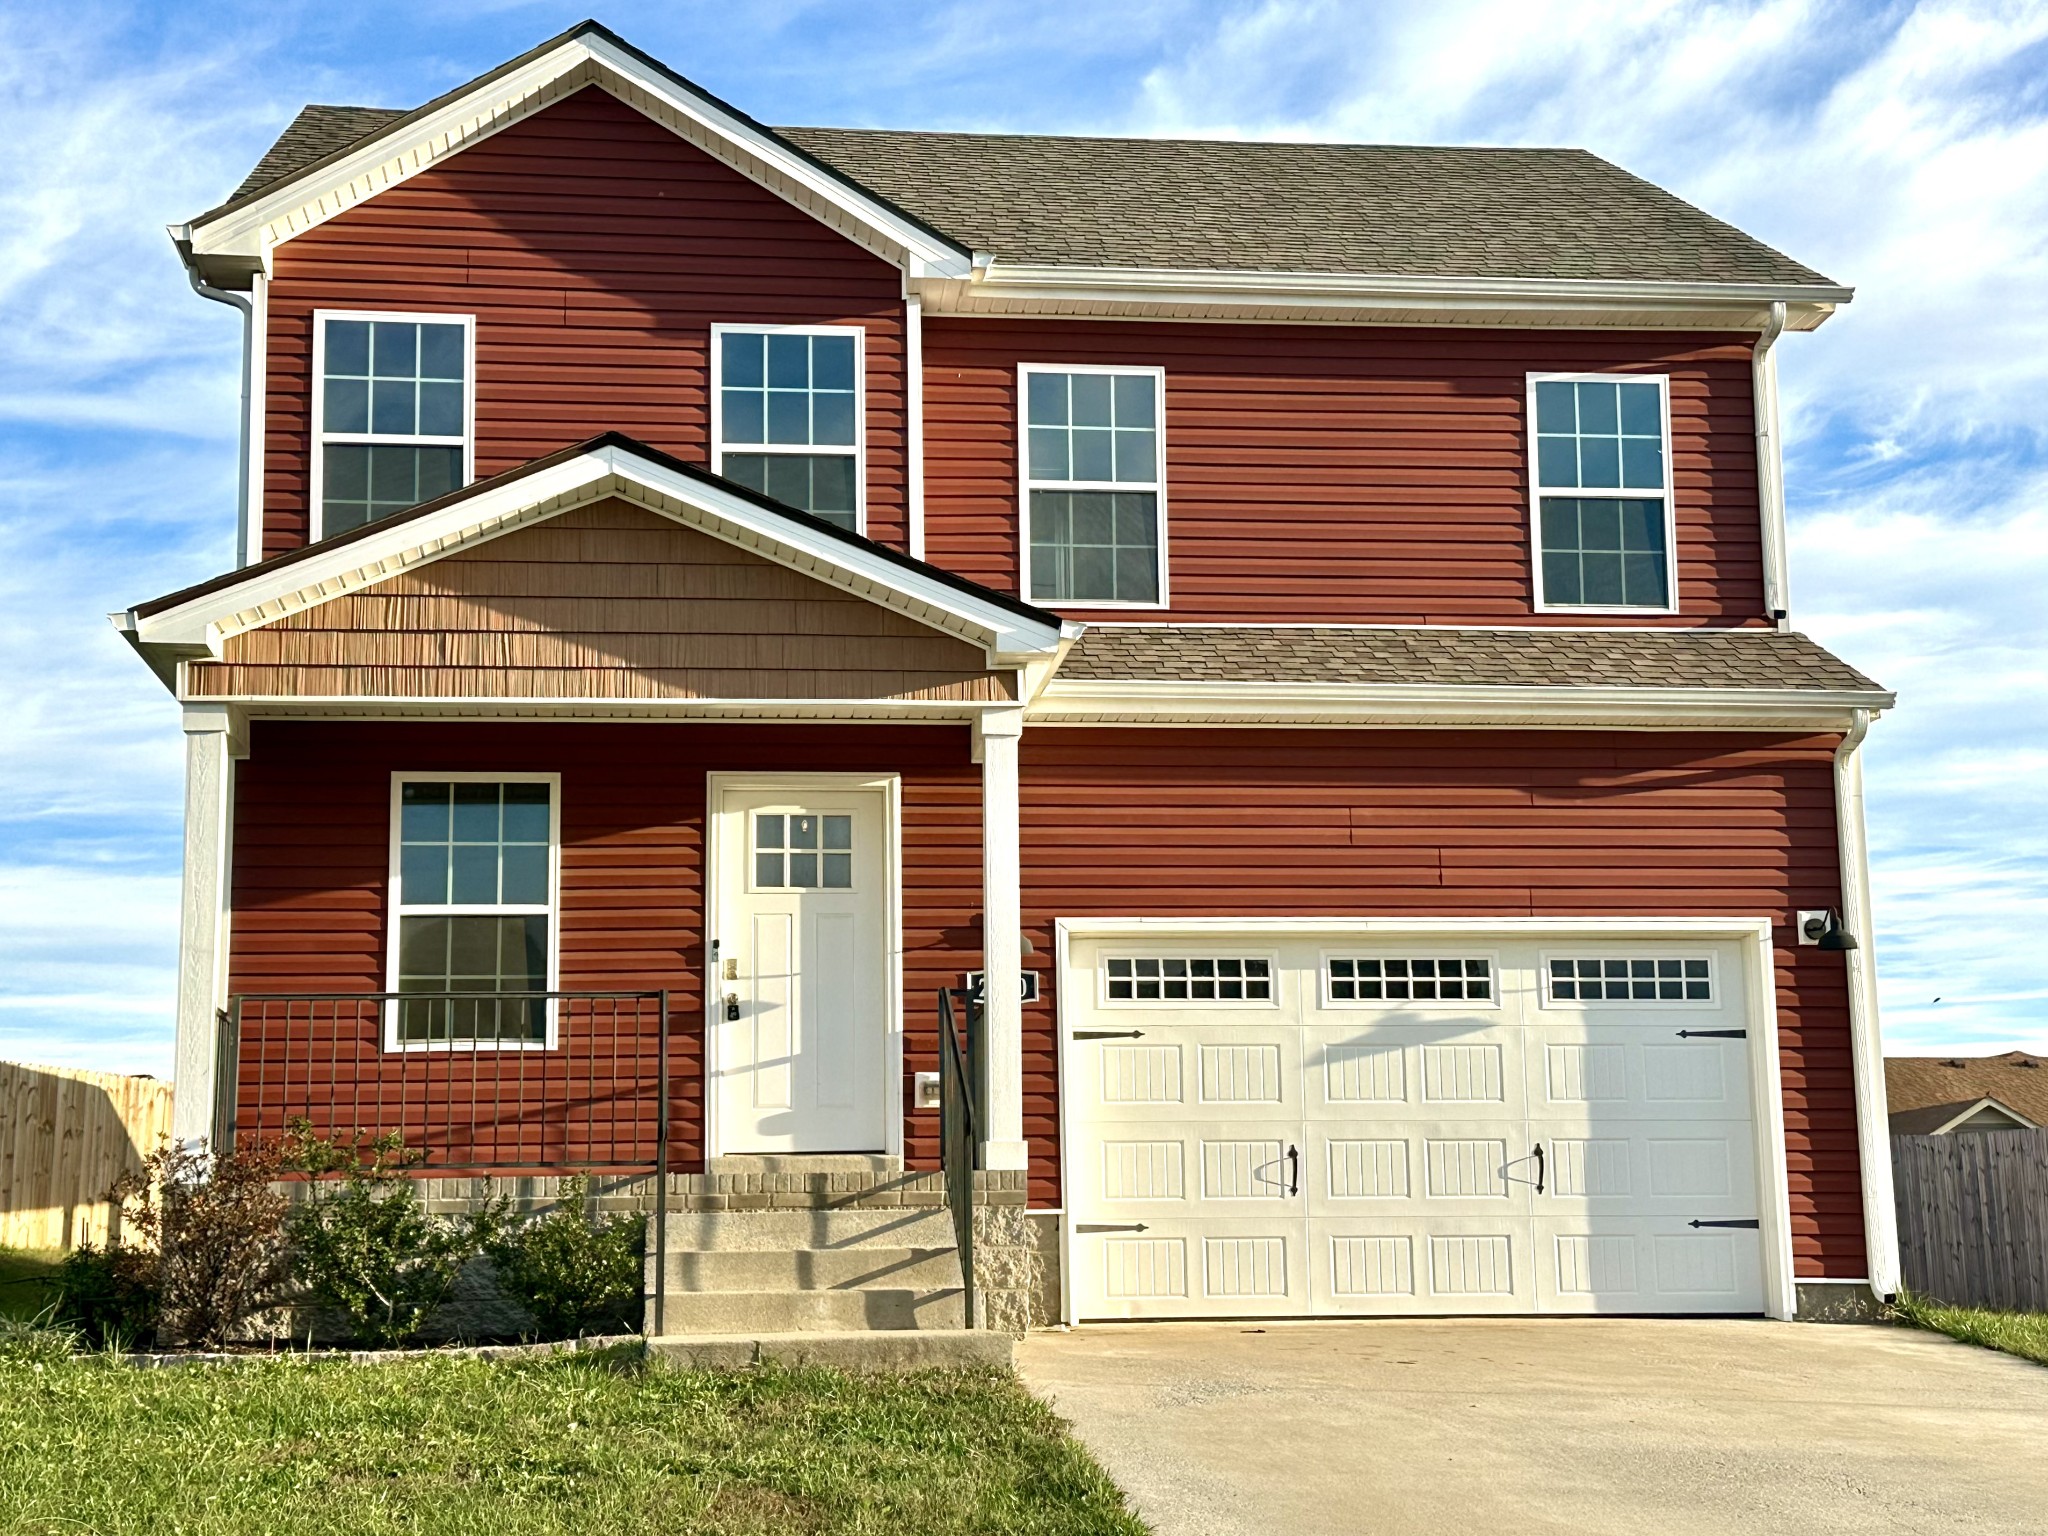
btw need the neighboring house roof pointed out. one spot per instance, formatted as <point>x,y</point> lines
<point>1223,206</point>
<point>1526,656</point>
<point>2016,1080</point>
<point>1942,1119</point>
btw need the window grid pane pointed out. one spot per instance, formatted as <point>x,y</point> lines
<point>1092,468</point>
<point>396,379</point>
<point>1660,979</point>
<point>781,394</point>
<point>1167,979</point>
<point>1095,546</point>
<point>797,851</point>
<point>1462,978</point>
<point>1602,552</point>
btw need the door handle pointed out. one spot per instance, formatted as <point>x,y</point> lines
<point>732,1007</point>
<point>1293,1170</point>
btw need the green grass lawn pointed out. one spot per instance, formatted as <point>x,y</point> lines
<point>458,1446</point>
<point>2016,1333</point>
<point>25,1282</point>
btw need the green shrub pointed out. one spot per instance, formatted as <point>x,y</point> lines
<point>573,1274</point>
<point>362,1242</point>
<point>111,1295</point>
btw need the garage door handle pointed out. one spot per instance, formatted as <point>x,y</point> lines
<point>1294,1170</point>
<point>1539,1167</point>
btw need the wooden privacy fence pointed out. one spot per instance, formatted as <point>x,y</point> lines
<point>1973,1217</point>
<point>65,1136</point>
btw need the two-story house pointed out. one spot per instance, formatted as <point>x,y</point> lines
<point>1318,612</point>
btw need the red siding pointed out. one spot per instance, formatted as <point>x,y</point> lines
<point>1440,824</point>
<point>312,854</point>
<point>596,249</point>
<point>1345,474</point>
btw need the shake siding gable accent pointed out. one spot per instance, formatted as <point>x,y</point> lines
<point>609,601</point>
<point>311,865</point>
<point>1277,823</point>
<point>595,249</point>
<point>1340,474</point>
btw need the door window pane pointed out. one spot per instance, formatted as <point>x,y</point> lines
<point>800,851</point>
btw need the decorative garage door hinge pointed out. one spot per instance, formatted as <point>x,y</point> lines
<point>1713,1034</point>
<point>1109,1226</point>
<point>1109,1034</point>
<point>1752,1223</point>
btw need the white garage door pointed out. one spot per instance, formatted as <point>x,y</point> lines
<point>1427,1125</point>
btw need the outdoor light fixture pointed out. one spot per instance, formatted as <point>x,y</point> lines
<point>1823,929</point>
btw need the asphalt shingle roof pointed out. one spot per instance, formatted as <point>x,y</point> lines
<point>1914,1083</point>
<point>1525,657</point>
<point>1351,209</point>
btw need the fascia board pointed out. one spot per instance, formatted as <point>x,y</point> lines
<point>302,203</point>
<point>1425,703</point>
<point>265,595</point>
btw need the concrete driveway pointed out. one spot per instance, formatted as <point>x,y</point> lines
<point>1582,1425</point>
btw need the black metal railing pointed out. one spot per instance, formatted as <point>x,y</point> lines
<point>962,1115</point>
<point>473,1082</point>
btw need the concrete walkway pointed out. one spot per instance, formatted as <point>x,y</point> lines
<point>1581,1425</point>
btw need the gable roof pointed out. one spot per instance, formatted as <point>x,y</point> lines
<point>1941,1119</point>
<point>196,620</point>
<point>1189,207</point>
<point>2015,1079</point>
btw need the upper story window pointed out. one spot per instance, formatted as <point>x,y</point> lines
<point>1602,460</point>
<point>787,418</point>
<point>392,414</point>
<point>1094,485</point>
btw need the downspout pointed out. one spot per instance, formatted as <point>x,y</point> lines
<point>1770,466</point>
<point>247,306</point>
<point>1873,1130</point>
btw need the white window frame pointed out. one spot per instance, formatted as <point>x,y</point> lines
<point>1668,494</point>
<point>1713,1002</point>
<point>1026,485</point>
<point>1409,1004</point>
<point>316,487</point>
<point>398,909</point>
<point>859,450</point>
<point>1188,1004</point>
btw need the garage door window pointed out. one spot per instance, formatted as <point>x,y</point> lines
<point>1418,979</point>
<point>1175,979</point>
<point>1662,980</point>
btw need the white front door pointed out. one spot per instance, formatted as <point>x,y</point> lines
<point>799,991</point>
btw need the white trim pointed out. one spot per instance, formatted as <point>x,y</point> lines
<point>316,471</point>
<point>1866,1040</point>
<point>717,785</point>
<point>913,421</point>
<point>205,916</point>
<point>720,330</point>
<point>1774,1204</point>
<point>1080,702</point>
<point>267,594</point>
<point>258,419</point>
<point>306,200</point>
<point>1026,485</point>
<point>2020,1121</point>
<point>1667,493</point>
<point>397,909</point>
<point>995,744</point>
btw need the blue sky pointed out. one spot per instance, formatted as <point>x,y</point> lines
<point>1900,148</point>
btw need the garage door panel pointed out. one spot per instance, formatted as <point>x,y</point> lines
<point>1702,1168</point>
<point>1392,1070</point>
<point>1178,1267</point>
<point>1635,1071</point>
<point>1633,1264</point>
<point>1368,1267</point>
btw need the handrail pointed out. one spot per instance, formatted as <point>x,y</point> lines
<point>959,1136</point>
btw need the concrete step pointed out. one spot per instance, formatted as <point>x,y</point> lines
<point>756,1231</point>
<point>880,1307</point>
<point>930,1349</point>
<point>805,1163</point>
<point>813,1269</point>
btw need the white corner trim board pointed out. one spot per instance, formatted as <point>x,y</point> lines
<point>212,744</point>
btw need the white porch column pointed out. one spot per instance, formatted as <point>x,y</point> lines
<point>1002,932</point>
<point>210,752</point>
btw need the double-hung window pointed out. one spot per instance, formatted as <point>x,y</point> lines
<point>786,416</point>
<point>1094,485</point>
<point>1601,451</point>
<point>475,914</point>
<point>392,413</point>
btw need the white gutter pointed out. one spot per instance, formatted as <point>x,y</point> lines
<point>1770,467</point>
<point>1873,1129</point>
<point>247,306</point>
<point>913,396</point>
